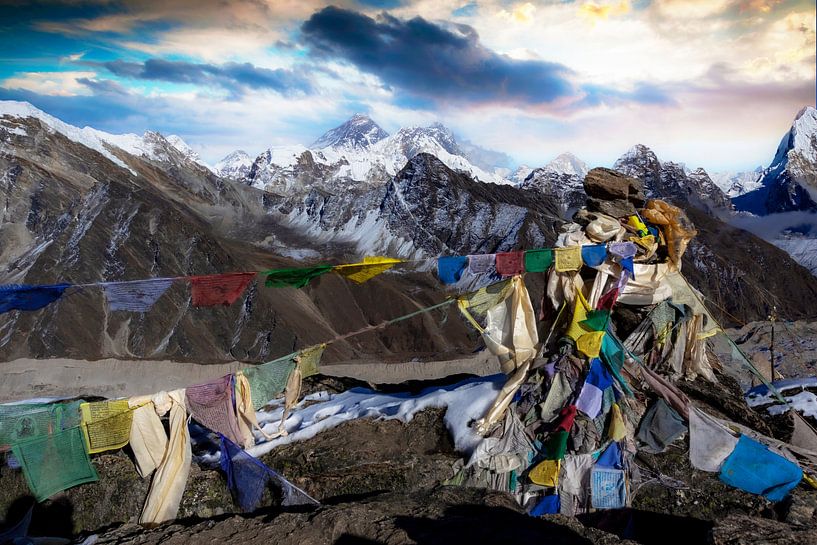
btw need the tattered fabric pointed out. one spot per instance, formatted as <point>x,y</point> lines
<point>710,442</point>
<point>53,463</point>
<point>247,479</point>
<point>574,483</point>
<point>137,296</point>
<point>368,269</point>
<point>24,297</point>
<point>510,263</point>
<point>593,256</point>
<point>538,260</point>
<point>449,269</point>
<point>219,289</point>
<point>659,427</point>
<point>211,404</point>
<point>294,278</point>
<point>309,360</point>
<point>170,478</point>
<point>754,468</point>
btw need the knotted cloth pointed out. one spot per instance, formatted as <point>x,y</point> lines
<point>219,289</point>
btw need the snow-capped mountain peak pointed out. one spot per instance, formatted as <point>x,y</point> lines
<point>358,133</point>
<point>567,163</point>
<point>236,165</point>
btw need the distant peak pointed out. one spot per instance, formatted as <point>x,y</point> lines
<point>358,132</point>
<point>567,163</point>
<point>806,111</point>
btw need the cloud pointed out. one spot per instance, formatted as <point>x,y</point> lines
<point>521,13</point>
<point>233,77</point>
<point>103,86</point>
<point>596,11</point>
<point>49,83</point>
<point>432,61</point>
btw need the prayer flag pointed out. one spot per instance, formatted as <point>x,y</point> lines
<point>608,300</point>
<point>294,278</point>
<point>590,398</point>
<point>710,442</point>
<point>593,256</point>
<point>616,430</point>
<point>756,469</point>
<point>267,381</point>
<point>555,446</point>
<point>53,463</point>
<point>106,425</point>
<point>482,263</point>
<point>136,296</point>
<point>549,505</point>
<point>566,417</point>
<point>597,320</point>
<point>309,360</point>
<point>568,259</point>
<point>589,344</point>
<point>248,477</point>
<point>23,297</point>
<point>450,268</point>
<point>546,473</point>
<point>538,260</point>
<point>622,250</point>
<point>219,289</point>
<point>368,269</point>
<point>211,404</point>
<point>611,458</point>
<point>608,488</point>
<point>510,263</point>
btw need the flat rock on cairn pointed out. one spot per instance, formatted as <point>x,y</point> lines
<point>612,193</point>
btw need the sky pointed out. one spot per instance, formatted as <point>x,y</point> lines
<point>711,83</point>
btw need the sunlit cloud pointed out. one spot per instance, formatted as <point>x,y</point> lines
<point>50,83</point>
<point>595,11</point>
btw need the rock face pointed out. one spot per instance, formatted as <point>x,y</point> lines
<point>671,181</point>
<point>561,180</point>
<point>612,193</point>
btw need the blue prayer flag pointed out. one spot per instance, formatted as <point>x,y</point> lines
<point>25,297</point>
<point>754,468</point>
<point>449,269</point>
<point>549,505</point>
<point>593,256</point>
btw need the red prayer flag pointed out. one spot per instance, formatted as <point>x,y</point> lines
<point>510,263</point>
<point>607,300</point>
<point>566,417</point>
<point>219,289</point>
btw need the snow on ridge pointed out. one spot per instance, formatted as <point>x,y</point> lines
<point>87,136</point>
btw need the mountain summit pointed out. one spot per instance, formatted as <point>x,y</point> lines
<point>358,133</point>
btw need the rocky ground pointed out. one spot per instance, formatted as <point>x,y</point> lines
<point>380,482</point>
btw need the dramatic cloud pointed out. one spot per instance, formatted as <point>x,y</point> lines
<point>233,77</point>
<point>428,60</point>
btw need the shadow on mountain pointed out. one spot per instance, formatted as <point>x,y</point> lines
<point>649,528</point>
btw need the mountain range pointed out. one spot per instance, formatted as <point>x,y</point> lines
<point>81,205</point>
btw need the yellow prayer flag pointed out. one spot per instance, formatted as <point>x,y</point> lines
<point>616,431</point>
<point>546,473</point>
<point>580,310</point>
<point>370,267</point>
<point>589,344</point>
<point>568,259</point>
<point>105,425</point>
<point>309,359</point>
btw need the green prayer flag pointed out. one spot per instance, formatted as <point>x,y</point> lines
<point>294,278</point>
<point>25,421</point>
<point>555,446</point>
<point>53,463</point>
<point>597,320</point>
<point>268,380</point>
<point>538,260</point>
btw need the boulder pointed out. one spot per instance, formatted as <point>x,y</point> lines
<point>612,193</point>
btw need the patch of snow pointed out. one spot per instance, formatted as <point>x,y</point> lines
<point>735,184</point>
<point>567,163</point>
<point>464,402</point>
